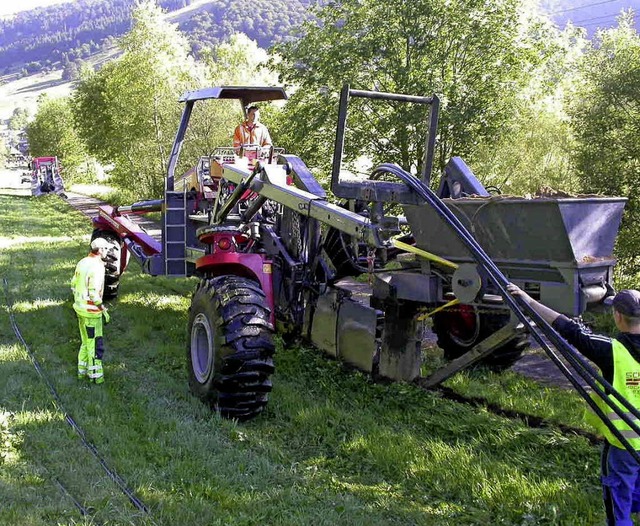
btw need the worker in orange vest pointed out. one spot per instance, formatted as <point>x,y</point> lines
<point>251,131</point>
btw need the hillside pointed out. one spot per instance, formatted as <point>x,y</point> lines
<point>55,37</point>
<point>63,35</point>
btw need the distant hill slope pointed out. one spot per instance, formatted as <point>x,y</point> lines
<point>60,36</point>
<point>49,38</point>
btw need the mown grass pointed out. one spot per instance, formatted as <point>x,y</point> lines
<point>332,447</point>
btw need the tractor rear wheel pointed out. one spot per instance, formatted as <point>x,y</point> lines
<point>463,327</point>
<point>230,346</point>
<point>112,265</point>
<point>292,232</point>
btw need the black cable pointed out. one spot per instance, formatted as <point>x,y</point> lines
<point>597,19</point>
<point>578,363</point>
<point>583,6</point>
<point>83,511</point>
<point>60,406</point>
<point>562,346</point>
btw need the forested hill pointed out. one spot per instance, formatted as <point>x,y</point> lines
<point>50,37</point>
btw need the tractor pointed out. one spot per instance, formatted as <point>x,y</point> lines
<point>45,176</point>
<point>355,275</point>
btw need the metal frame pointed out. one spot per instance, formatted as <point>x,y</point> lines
<point>381,190</point>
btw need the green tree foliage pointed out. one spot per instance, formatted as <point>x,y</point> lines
<point>605,112</point>
<point>71,30</point>
<point>534,149</point>
<point>474,54</point>
<point>71,69</point>
<point>265,21</point>
<point>19,119</point>
<point>128,112</point>
<point>4,154</point>
<point>51,133</point>
<point>236,62</point>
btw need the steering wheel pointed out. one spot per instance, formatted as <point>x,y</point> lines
<point>255,151</point>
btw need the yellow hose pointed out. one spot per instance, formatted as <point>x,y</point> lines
<point>441,307</point>
<point>424,254</point>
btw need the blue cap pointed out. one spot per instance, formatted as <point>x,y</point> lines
<point>626,302</point>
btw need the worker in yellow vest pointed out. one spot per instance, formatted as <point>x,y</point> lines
<point>87,286</point>
<point>619,362</point>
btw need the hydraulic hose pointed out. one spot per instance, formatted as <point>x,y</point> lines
<point>578,363</point>
<point>501,282</point>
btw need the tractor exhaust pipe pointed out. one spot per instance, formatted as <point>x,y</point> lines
<point>141,207</point>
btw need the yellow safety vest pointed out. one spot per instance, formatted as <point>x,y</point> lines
<point>626,380</point>
<point>87,286</point>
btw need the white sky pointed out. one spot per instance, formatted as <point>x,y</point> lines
<point>8,7</point>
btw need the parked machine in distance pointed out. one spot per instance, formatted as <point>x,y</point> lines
<point>46,177</point>
<point>357,277</point>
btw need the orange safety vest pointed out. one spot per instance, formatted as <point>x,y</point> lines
<point>251,134</point>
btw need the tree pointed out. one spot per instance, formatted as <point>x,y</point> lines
<point>605,112</point>
<point>19,119</point>
<point>71,70</point>
<point>128,112</point>
<point>51,133</point>
<point>474,54</point>
<point>237,62</point>
<point>535,148</point>
<point>4,153</point>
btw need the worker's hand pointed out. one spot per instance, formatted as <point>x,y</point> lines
<point>106,316</point>
<point>514,290</point>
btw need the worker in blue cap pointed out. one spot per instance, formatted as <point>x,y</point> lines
<point>619,361</point>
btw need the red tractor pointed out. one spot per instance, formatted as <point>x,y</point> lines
<point>357,277</point>
<point>45,176</point>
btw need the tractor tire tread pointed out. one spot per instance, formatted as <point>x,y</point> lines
<point>243,341</point>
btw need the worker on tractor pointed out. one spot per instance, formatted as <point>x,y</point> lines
<point>251,132</point>
<point>619,361</point>
<point>87,286</point>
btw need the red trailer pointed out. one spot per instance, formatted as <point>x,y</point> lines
<point>45,176</point>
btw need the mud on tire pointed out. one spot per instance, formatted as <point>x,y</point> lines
<point>113,262</point>
<point>230,346</point>
<point>459,329</point>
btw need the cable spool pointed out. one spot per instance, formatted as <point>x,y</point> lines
<point>466,283</point>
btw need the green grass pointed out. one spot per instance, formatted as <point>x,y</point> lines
<point>332,447</point>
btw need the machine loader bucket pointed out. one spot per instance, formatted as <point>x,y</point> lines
<point>560,241</point>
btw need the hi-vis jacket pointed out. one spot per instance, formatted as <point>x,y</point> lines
<point>626,380</point>
<point>619,362</point>
<point>87,286</point>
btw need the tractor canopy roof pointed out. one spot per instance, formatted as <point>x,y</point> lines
<point>245,94</point>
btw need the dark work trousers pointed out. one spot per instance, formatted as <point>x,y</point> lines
<point>620,485</point>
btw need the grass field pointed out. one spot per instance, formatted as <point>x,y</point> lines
<point>331,448</point>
